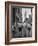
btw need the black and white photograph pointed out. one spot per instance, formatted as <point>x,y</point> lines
<point>21,22</point>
